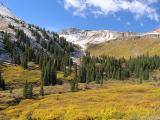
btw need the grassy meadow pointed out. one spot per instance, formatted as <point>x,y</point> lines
<point>126,48</point>
<point>15,75</point>
<point>113,101</point>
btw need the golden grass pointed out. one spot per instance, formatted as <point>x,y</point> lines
<point>127,48</point>
<point>115,100</point>
<point>14,74</point>
<point>60,76</point>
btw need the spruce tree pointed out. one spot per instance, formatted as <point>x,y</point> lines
<point>42,89</point>
<point>76,78</point>
<point>30,91</point>
<point>25,90</point>
<point>2,82</point>
<point>25,62</point>
<point>75,81</point>
<point>53,75</point>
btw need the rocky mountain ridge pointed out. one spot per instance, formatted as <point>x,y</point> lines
<point>86,37</point>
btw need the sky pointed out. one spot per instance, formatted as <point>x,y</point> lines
<point>117,15</point>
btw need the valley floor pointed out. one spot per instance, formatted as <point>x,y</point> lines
<point>114,100</point>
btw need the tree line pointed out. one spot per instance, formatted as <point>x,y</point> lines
<point>103,68</point>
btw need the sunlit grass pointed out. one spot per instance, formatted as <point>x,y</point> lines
<point>15,74</point>
<point>127,48</point>
<point>114,100</point>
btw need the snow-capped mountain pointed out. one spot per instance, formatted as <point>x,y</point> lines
<point>157,30</point>
<point>84,38</point>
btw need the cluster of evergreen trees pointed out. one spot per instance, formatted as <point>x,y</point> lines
<point>48,74</point>
<point>10,46</point>
<point>100,68</point>
<point>52,55</point>
<point>52,47</point>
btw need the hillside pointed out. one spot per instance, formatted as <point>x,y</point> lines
<point>21,33</point>
<point>126,48</point>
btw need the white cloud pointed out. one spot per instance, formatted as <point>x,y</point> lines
<point>77,5</point>
<point>139,8</point>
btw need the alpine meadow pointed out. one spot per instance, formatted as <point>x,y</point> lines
<point>80,60</point>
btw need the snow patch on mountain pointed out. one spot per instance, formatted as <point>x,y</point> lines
<point>84,38</point>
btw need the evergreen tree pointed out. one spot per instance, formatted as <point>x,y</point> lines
<point>75,81</point>
<point>30,91</point>
<point>2,82</point>
<point>42,89</point>
<point>25,90</point>
<point>25,62</point>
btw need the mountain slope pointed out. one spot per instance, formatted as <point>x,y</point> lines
<point>4,11</point>
<point>157,30</point>
<point>119,44</point>
<point>85,37</point>
<point>38,38</point>
<point>126,48</point>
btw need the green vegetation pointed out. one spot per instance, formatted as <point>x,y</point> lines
<point>28,91</point>
<point>100,68</point>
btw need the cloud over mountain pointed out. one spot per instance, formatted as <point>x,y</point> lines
<point>139,8</point>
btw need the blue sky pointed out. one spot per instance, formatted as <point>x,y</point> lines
<point>118,15</point>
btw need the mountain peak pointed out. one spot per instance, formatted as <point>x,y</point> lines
<point>157,30</point>
<point>70,31</point>
<point>6,12</point>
